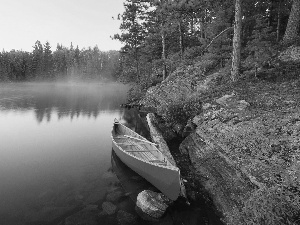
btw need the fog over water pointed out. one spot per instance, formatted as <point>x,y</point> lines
<point>55,146</point>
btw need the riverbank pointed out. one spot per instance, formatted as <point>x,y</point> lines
<point>242,143</point>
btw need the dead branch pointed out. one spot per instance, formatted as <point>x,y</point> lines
<point>222,32</point>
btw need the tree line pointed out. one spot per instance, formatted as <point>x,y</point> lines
<point>62,63</point>
<point>159,36</point>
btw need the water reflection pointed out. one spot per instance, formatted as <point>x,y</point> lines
<point>65,100</point>
<point>55,148</point>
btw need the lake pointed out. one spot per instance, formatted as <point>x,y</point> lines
<point>56,157</point>
<point>55,147</point>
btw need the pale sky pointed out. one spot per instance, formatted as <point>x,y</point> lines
<point>83,22</point>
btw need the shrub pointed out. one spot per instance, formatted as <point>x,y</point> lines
<point>135,93</point>
<point>192,54</point>
<point>179,112</point>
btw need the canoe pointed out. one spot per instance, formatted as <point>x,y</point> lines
<point>143,157</point>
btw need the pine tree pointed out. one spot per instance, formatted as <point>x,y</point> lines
<point>133,29</point>
<point>37,60</point>
<point>48,60</point>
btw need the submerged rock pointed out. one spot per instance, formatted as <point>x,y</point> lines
<point>109,208</point>
<point>125,218</point>
<point>114,196</point>
<point>108,175</point>
<point>152,203</point>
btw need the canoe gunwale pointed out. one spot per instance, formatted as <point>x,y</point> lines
<point>171,167</point>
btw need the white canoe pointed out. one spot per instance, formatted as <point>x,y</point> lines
<point>145,159</point>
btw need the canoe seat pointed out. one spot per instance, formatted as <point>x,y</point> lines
<point>157,161</point>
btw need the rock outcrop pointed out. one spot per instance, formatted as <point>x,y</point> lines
<point>240,145</point>
<point>179,86</point>
<point>247,136</point>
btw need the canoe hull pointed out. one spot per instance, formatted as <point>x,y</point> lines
<point>166,179</point>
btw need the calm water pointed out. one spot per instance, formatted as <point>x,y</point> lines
<point>56,156</point>
<point>55,147</point>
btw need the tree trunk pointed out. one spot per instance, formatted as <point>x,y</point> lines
<point>236,53</point>
<point>278,21</point>
<point>291,32</point>
<point>137,65</point>
<point>163,42</point>
<point>202,30</point>
<point>192,25</point>
<point>180,39</point>
<point>137,70</point>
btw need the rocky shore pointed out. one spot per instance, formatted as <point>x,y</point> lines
<point>244,142</point>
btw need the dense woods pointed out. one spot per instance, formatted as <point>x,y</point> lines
<point>160,36</point>
<point>61,64</point>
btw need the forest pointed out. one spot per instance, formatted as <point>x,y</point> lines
<point>161,36</point>
<point>64,63</point>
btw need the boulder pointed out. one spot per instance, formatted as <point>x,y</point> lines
<point>152,203</point>
<point>231,101</point>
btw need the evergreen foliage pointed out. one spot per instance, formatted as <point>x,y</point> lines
<point>261,47</point>
<point>63,63</point>
<point>160,36</point>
